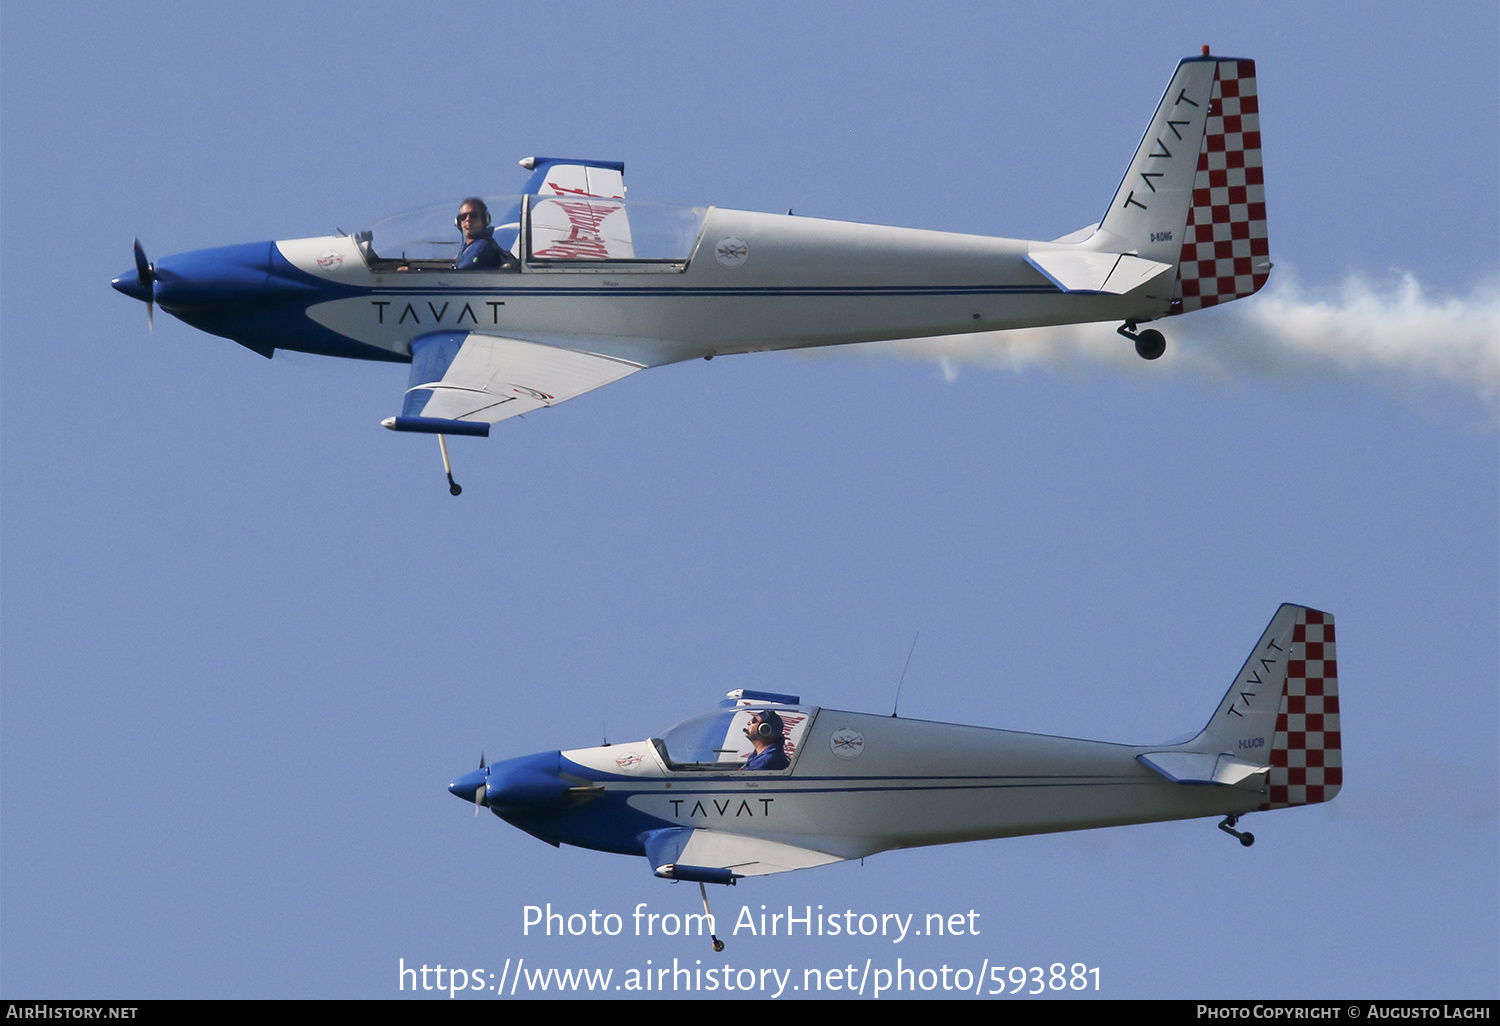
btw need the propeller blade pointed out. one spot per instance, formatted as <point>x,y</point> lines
<point>480,791</point>
<point>143,271</point>
<point>145,276</point>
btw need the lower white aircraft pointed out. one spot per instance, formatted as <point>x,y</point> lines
<point>574,286</point>
<point>765,784</point>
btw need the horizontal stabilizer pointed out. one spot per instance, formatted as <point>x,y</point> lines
<point>1200,767</point>
<point>1092,271</point>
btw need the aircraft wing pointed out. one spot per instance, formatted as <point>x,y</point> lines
<point>462,382</point>
<point>588,225</point>
<point>577,213</point>
<point>580,228</point>
<point>716,856</point>
<point>573,176</point>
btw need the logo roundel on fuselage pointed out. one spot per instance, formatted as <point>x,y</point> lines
<point>847,743</point>
<point>731,251</point>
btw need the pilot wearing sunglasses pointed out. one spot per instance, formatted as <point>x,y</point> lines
<point>480,252</point>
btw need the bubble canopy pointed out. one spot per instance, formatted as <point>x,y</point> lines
<point>716,739</point>
<point>543,230</point>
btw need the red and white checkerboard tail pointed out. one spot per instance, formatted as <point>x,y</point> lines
<point>1306,755</point>
<point>1276,730</point>
<point>1225,254</point>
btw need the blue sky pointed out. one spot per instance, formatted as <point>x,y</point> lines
<point>248,637</point>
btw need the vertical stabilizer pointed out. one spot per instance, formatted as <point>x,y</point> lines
<point>1225,252</point>
<point>1149,212</point>
<point>1244,723</point>
<point>1194,195</point>
<point>1277,728</point>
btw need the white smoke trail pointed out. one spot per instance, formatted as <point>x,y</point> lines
<point>1396,335</point>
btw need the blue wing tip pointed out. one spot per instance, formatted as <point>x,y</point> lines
<point>436,426</point>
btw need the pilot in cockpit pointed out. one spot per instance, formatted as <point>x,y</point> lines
<point>481,252</point>
<point>767,735</point>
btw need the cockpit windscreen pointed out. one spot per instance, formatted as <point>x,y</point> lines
<point>716,739</point>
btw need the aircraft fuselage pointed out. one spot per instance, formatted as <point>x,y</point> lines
<point>913,783</point>
<point>795,282</point>
<point>710,801</point>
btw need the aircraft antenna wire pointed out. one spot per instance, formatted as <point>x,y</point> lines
<point>902,681</point>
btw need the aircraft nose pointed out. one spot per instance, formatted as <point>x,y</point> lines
<point>530,782</point>
<point>130,284</point>
<point>250,293</point>
<point>227,276</point>
<point>466,786</point>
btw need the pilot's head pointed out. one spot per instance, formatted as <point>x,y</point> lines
<point>766,728</point>
<point>473,218</point>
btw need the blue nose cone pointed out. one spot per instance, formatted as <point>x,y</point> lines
<point>250,293</point>
<point>529,783</point>
<point>224,277</point>
<point>209,281</point>
<point>466,785</point>
<point>130,284</point>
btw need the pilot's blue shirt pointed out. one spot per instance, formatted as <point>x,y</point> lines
<point>483,254</point>
<point>770,759</point>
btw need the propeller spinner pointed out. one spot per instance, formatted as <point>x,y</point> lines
<point>143,285</point>
<point>473,786</point>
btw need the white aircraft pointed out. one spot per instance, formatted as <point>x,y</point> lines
<point>578,287</point>
<point>765,784</point>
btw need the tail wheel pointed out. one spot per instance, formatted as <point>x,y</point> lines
<point>1150,344</point>
<point>1245,837</point>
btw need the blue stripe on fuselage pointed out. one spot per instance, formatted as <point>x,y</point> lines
<point>695,291</point>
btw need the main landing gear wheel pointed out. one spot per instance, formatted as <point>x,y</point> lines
<point>454,488</point>
<point>1149,344</point>
<point>1245,836</point>
<point>718,944</point>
